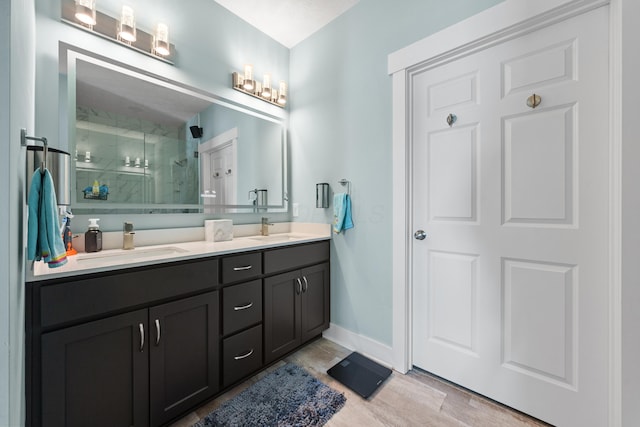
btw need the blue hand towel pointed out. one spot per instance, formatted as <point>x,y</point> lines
<point>341,212</point>
<point>44,241</point>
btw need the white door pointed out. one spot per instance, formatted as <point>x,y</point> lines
<point>219,170</point>
<point>510,285</point>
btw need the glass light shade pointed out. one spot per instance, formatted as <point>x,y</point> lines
<point>86,11</point>
<point>146,163</point>
<point>127,27</point>
<point>266,86</point>
<point>87,156</point>
<point>248,77</point>
<point>161,40</point>
<point>137,163</point>
<point>127,161</point>
<point>282,93</point>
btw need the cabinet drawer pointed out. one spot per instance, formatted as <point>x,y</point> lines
<point>81,298</point>
<point>241,267</point>
<point>293,257</point>
<point>241,306</point>
<point>241,355</point>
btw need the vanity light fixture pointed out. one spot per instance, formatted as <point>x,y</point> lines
<point>127,161</point>
<point>161,40</point>
<point>127,25</point>
<point>86,12</point>
<point>121,29</point>
<point>245,83</point>
<point>282,93</point>
<point>137,163</point>
<point>146,163</point>
<point>248,83</point>
<point>87,157</point>
<point>266,86</point>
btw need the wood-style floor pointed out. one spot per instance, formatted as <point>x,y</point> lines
<point>414,399</point>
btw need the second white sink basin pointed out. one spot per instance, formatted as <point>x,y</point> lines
<point>276,238</point>
<point>97,259</point>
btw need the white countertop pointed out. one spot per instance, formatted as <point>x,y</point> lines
<point>248,238</point>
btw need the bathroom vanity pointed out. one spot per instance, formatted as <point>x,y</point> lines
<point>144,343</point>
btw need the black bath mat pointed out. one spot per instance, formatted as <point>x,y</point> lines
<point>360,374</point>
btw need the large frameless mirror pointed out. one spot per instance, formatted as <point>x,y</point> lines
<point>141,144</point>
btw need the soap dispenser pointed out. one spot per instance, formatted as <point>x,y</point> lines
<point>93,237</point>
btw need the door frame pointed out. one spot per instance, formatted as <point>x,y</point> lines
<point>219,142</point>
<point>500,23</point>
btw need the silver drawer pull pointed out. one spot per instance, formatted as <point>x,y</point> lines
<point>246,267</point>
<point>244,356</point>
<point>157,331</point>
<point>141,327</point>
<point>242,307</point>
<point>306,284</point>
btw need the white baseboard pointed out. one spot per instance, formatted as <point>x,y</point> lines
<point>372,349</point>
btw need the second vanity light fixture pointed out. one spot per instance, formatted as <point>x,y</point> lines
<point>123,29</point>
<point>244,82</point>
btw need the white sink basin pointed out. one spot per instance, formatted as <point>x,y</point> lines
<point>98,259</point>
<point>276,238</point>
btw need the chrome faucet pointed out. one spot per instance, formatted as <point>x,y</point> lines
<point>264,228</point>
<point>127,236</point>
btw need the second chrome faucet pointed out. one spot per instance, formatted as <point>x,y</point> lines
<point>264,228</point>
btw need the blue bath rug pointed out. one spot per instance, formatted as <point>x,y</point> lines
<point>289,396</point>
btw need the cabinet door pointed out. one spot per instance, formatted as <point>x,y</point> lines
<point>281,314</point>
<point>184,361</point>
<point>97,373</point>
<point>315,300</point>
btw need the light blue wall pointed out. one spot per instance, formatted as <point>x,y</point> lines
<point>17,47</point>
<point>341,128</point>
<point>210,43</point>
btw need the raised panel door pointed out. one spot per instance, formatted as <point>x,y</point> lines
<point>282,314</point>
<point>510,287</point>
<point>97,374</point>
<point>184,349</point>
<point>315,300</point>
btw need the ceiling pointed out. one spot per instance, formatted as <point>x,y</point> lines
<point>288,21</point>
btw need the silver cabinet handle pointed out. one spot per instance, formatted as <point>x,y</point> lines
<point>246,267</point>
<point>244,356</point>
<point>141,327</point>
<point>299,288</point>
<point>306,284</point>
<point>157,332</point>
<point>242,307</point>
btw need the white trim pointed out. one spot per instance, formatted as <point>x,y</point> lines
<point>494,25</point>
<point>497,24</point>
<point>615,213</point>
<point>355,342</point>
<point>401,170</point>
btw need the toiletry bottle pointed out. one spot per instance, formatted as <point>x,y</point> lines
<point>127,235</point>
<point>93,237</point>
<point>96,188</point>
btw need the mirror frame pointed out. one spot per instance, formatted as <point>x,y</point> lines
<point>68,57</point>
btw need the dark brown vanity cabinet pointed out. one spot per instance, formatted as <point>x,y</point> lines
<point>297,305</point>
<point>142,346</point>
<point>109,371</point>
<point>140,367</point>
